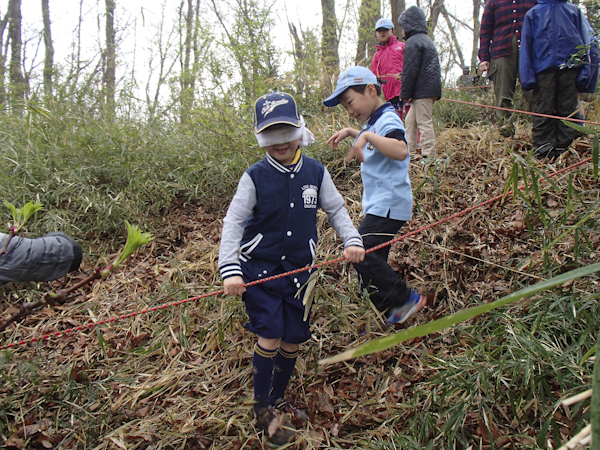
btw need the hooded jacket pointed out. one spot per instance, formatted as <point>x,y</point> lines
<point>46,258</point>
<point>388,62</point>
<point>421,75</point>
<point>551,32</point>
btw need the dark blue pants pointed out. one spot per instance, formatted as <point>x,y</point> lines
<point>385,288</point>
<point>555,94</point>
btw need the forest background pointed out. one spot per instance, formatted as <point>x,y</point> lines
<point>144,114</point>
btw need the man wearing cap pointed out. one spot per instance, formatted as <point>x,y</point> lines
<point>271,228</point>
<point>499,42</point>
<point>387,63</point>
<point>466,79</point>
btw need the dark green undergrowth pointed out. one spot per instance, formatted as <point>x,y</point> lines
<point>494,382</point>
<point>449,112</point>
<point>512,367</point>
<point>91,174</point>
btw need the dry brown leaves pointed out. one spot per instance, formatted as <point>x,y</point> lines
<point>181,377</point>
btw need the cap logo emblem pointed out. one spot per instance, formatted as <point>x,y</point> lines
<point>269,106</point>
<point>358,80</point>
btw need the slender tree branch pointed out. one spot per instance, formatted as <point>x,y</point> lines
<point>11,234</point>
<point>50,298</point>
<point>453,36</point>
<point>456,19</point>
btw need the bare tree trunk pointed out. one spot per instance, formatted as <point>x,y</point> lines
<point>457,50</point>
<point>368,12</point>
<point>436,9</point>
<point>398,7</point>
<point>245,7</point>
<point>298,58</point>
<point>111,59</point>
<point>17,82</point>
<point>49,56</point>
<point>186,95</point>
<point>3,54</point>
<point>245,57</point>
<point>197,51</point>
<point>476,29</point>
<point>329,47</point>
<point>75,59</point>
<point>164,49</point>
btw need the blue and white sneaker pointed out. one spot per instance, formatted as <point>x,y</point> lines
<point>400,314</point>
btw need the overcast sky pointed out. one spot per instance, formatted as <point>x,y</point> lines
<point>143,15</point>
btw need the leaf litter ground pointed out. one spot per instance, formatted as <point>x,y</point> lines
<point>180,378</point>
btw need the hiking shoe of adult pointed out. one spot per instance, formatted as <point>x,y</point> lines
<point>400,314</point>
<point>556,152</point>
<point>507,130</point>
<point>299,417</point>
<point>544,150</point>
<point>277,430</point>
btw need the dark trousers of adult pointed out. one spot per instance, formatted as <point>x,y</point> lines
<point>555,94</point>
<point>504,72</point>
<point>385,288</point>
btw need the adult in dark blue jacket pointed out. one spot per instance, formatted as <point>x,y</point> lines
<point>552,31</point>
<point>421,80</point>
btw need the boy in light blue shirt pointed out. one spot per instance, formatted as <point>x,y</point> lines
<point>387,196</point>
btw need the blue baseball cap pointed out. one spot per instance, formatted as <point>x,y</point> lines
<point>275,108</point>
<point>384,23</point>
<point>354,76</point>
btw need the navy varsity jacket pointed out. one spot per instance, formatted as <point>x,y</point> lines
<point>271,223</point>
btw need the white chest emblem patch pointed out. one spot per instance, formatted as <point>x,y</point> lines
<point>310,195</point>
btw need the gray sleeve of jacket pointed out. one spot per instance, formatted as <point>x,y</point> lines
<point>46,258</point>
<point>240,209</point>
<point>332,202</point>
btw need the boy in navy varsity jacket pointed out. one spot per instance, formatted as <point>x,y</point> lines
<point>387,196</point>
<point>271,228</point>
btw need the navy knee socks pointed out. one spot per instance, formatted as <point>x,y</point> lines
<point>284,367</point>
<point>262,374</point>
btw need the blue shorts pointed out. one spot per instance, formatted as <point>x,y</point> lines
<point>274,312</point>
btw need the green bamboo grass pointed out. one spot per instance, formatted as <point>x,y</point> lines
<point>595,406</point>
<point>386,342</point>
<point>595,146</point>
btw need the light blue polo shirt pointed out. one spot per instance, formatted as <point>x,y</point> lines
<point>386,184</point>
